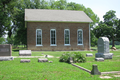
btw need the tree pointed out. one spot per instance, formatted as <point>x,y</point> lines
<point>60,4</point>
<point>6,8</point>
<point>74,6</point>
<point>19,23</point>
<point>109,27</point>
<point>109,18</point>
<point>118,30</point>
<point>10,40</point>
<point>2,40</point>
<point>93,39</point>
<point>103,30</point>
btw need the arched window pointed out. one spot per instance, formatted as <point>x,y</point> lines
<point>80,37</point>
<point>66,37</point>
<point>53,37</point>
<point>38,37</point>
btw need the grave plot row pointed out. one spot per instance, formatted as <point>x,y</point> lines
<point>39,60</point>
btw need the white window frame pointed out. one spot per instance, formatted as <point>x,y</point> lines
<point>55,37</point>
<point>41,38</point>
<point>77,37</point>
<point>64,37</point>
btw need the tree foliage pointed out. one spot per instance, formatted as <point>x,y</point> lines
<point>109,28</point>
<point>10,40</point>
<point>6,9</point>
<point>118,30</point>
<point>2,40</point>
<point>109,18</point>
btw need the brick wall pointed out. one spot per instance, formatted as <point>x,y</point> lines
<point>46,26</point>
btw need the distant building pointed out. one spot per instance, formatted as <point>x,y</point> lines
<point>51,30</point>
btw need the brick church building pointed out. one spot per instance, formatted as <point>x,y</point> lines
<point>57,30</point>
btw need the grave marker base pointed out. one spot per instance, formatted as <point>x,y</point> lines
<point>42,60</point>
<point>105,55</point>
<point>25,60</point>
<point>99,59</point>
<point>89,55</point>
<point>6,58</point>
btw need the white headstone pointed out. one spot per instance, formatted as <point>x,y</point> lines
<point>25,52</point>
<point>89,55</point>
<point>103,45</point>
<point>103,48</point>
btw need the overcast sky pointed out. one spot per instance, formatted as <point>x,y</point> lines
<point>100,7</point>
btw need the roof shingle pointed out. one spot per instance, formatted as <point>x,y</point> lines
<point>56,15</point>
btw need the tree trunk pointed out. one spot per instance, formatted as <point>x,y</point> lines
<point>113,42</point>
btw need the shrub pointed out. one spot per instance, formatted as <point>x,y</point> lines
<point>76,56</point>
<point>65,57</point>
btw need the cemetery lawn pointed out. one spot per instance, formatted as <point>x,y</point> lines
<point>103,66</point>
<point>14,70</point>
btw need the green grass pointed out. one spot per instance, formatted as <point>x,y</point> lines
<point>37,54</point>
<point>14,70</point>
<point>52,53</point>
<point>107,65</point>
<point>117,46</point>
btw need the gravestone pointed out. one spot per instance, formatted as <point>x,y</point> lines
<point>43,60</point>
<point>5,52</point>
<point>89,55</point>
<point>50,61</point>
<point>25,60</point>
<point>71,60</point>
<point>25,53</point>
<point>103,48</point>
<point>99,59</point>
<point>95,70</point>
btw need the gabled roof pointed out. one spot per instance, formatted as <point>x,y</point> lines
<point>45,15</point>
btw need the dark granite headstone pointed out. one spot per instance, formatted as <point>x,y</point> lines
<point>5,50</point>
